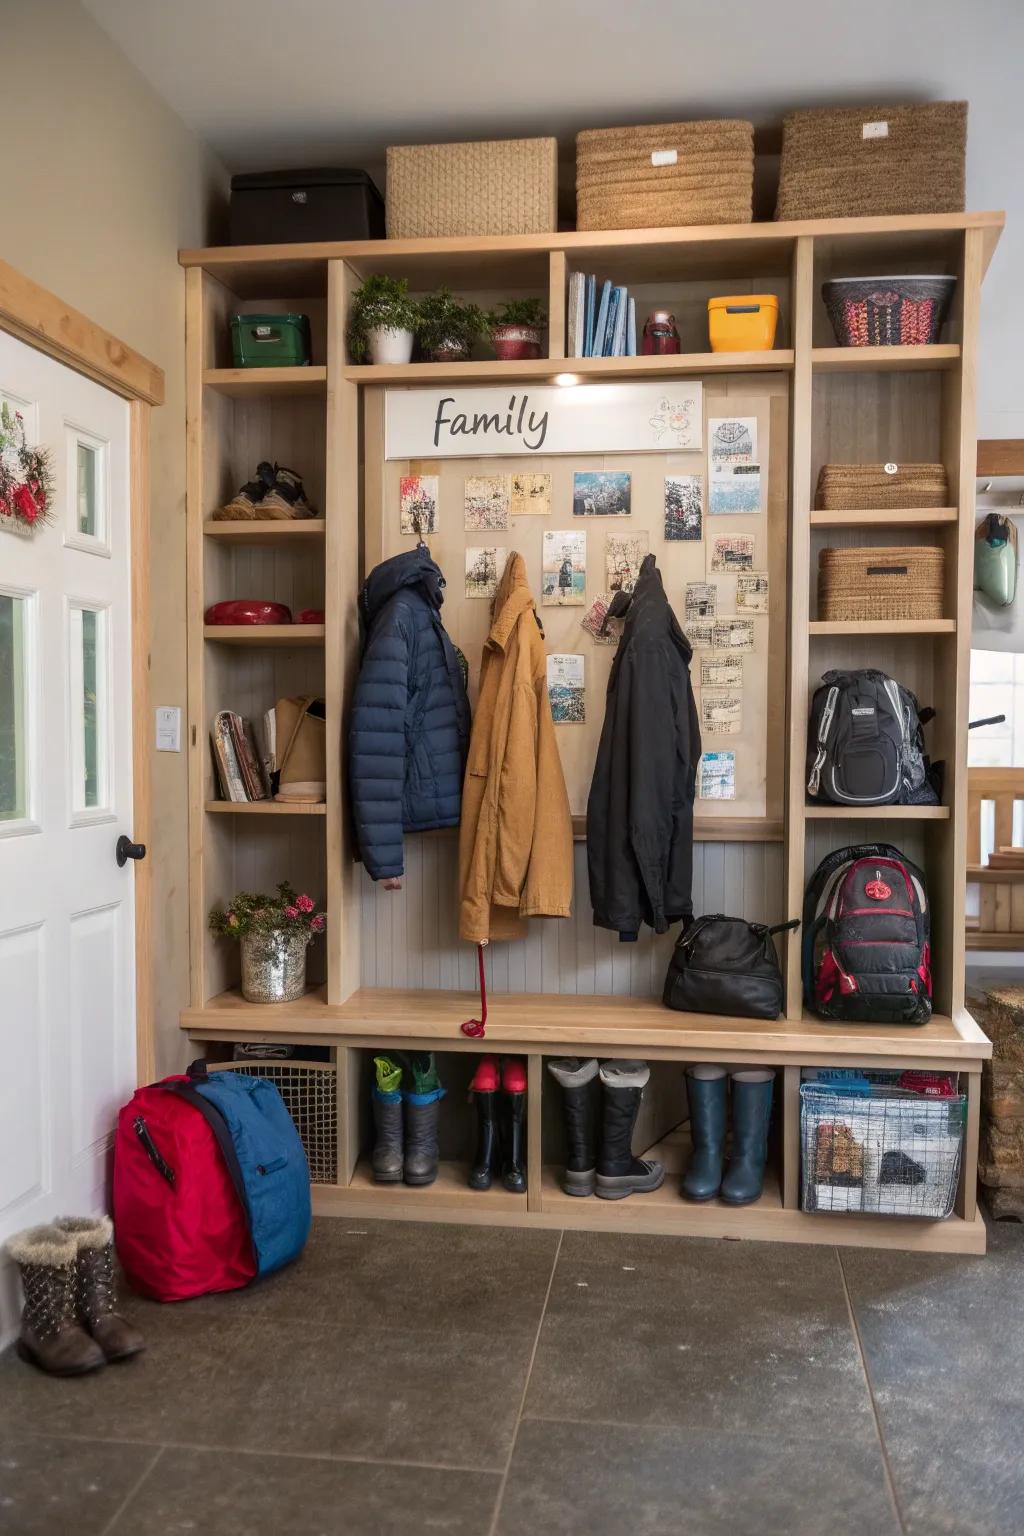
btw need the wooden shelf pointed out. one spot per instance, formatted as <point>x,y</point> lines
<point>882,627</point>
<point>874,359</point>
<point>247,383</point>
<point>265,808</point>
<point>877,812</point>
<point>257,635</point>
<point>451,1187</point>
<point>560,1023</point>
<point>301,531</point>
<point>886,517</point>
<point>585,369</point>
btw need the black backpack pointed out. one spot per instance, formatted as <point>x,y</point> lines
<point>866,949</point>
<point>865,743</point>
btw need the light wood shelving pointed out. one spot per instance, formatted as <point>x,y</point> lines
<point>264,808</point>
<point>312,418</point>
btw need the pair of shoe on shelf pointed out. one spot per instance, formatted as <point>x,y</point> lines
<point>605,1097</point>
<point>750,1090</point>
<point>407,1096</point>
<point>275,495</point>
<point>499,1093</point>
<point>68,1323</point>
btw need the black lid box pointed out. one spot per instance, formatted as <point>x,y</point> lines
<point>282,207</point>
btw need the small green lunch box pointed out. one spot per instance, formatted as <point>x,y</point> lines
<point>270,341</point>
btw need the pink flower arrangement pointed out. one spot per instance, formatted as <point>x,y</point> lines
<point>252,913</point>
<point>304,903</point>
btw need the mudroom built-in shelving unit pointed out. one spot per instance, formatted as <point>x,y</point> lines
<point>841,405</point>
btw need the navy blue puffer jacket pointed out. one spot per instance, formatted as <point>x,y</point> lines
<point>410,719</point>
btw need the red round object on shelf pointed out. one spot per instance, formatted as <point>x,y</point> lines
<point>310,616</point>
<point>248,610</point>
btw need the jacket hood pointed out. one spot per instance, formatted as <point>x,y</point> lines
<point>512,597</point>
<point>412,568</point>
<point>649,613</point>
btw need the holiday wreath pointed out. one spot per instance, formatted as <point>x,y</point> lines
<point>26,475</point>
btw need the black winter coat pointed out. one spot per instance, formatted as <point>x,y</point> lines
<point>409,731</point>
<point>640,810</point>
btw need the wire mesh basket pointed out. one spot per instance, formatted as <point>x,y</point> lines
<point>309,1091</point>
<point>880,1151</point>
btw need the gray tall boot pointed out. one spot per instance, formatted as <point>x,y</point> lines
<point>422,1143</point>
<point>388,1140</point>
<point>619,1173</point>
<point>751,1112</point>
<point>50,1336</point>
<point>706,1092</point>
<point>580,1096</point>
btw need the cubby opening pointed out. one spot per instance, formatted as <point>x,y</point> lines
<point>900,254</point>
<point>686,298</point>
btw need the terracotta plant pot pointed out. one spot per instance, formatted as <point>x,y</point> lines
<point>390,346</point>
<point>516,343</point>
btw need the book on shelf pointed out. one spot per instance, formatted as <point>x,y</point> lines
<point>240,769</point>
<point>589,302</point>
<point>602,326</point>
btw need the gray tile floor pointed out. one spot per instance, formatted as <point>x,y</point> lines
<point>488,1382</point>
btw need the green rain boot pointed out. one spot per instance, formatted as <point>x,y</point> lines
<point>387,1121</point>
<point>751,1092</point>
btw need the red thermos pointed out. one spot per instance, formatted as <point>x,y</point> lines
<point>660,335</point>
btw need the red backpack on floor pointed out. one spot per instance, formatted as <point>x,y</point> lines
<point>179,1223</point>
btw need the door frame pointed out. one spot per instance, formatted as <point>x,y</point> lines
<point>45,322</point>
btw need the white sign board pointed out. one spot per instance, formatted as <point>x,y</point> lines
<point>447,423</point>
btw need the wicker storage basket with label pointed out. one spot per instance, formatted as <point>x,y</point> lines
<point>665,174</point>
<point>845,162</point>
<point>496,187</point>
<point>865,487</point>
<point>882,582</point>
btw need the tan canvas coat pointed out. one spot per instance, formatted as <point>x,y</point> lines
<point>515,838</point>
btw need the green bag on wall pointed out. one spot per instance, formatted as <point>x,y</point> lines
<point>995,559</point>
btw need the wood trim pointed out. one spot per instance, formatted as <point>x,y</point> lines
<point>791,1138</point>
<point>38,317</point>
<point>534,1127</point>
<point>1000,456</point>
<point>557,299</point>
<point>194,519</point>
<point>142,779</point>
<point>715,829</point>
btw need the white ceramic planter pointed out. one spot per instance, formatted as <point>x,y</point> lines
<point>390,346</point>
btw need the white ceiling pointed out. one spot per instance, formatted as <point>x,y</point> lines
<point>305,82</point>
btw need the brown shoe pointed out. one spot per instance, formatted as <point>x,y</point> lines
<point>93,1237</point>
<point>50,1337</point>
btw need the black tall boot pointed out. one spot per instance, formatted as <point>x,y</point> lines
<point>619,1173</point>
<point>487,1154</point>
<point>580,1093</point>
<point>513,1105</point>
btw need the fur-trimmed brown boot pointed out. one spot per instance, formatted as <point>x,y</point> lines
<point>93,1237</point>
<point>50,1336</point>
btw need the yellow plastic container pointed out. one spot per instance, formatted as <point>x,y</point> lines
<point>743,322</point>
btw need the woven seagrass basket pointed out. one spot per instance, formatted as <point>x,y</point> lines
<point>665,174</point>
<point>496,187</point>
<point>847,161</point>
<point>887,582</point>
<point>859,487</point>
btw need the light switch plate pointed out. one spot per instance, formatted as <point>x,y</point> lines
<point>168,728</point>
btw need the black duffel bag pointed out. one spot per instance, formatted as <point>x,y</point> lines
<point>726,965</point>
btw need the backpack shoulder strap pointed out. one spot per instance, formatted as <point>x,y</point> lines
<point>221,1135</point>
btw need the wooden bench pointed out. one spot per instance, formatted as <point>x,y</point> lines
<point>1000,920</point>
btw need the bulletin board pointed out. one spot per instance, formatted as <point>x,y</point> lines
<point>740,693</point>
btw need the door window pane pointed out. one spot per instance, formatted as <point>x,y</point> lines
<point>87,490</point>
<point>13,719</point>
<point>89,706</point>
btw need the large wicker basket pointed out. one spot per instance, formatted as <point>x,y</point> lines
<point>848,161</point>
<point>310,1093</point>
<point>497,187</point>
<point>862,487</point>
<point>882,582</point>
<point>665,174</point>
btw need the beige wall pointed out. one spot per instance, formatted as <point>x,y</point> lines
<point>101,185</point>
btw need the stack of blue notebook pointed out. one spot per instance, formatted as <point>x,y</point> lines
<point>600,324</point>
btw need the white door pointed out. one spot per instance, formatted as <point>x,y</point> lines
<point>67,970</point>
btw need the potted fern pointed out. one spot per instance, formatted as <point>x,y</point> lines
<point>516,328</point>
<point>448,327</point>
<point>384,321</point>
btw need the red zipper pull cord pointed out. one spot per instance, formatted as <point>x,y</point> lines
<point>475,1027</point>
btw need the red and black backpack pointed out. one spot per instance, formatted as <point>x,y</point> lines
<point>866,950</point>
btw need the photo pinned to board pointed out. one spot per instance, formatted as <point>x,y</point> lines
<point>531,495</point>
<point>676,422</point>
<point>734,635</point>
<point>735,489</point>
<point>684,499</point>
<point>598,625</point>
<point>483,570</point>
<point>566,691</point>
<point>700,635</point>
<point>721,714</point>
<point>716,776</point>
<point>721,672</point>
<point>732,440</point>
<point>733,553</point>
<point>623,555</point>
<point>487,503</point>
<point>701,600</point>
<point>564,568</point>
<point>752,592</point>
<point>418,496</point>
<point>602,493</point>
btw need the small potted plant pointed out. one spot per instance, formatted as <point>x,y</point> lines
<point>274,933</point>
<point>384,321</point>
<point>448,327</point>
<point>515,329</point>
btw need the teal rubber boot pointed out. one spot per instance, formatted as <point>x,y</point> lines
<point>706,1091</point>
<point>751,1114</point>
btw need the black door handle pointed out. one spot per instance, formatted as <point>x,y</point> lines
<point>126,850</point>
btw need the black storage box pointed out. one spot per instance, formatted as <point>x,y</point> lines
<point>273,207</point>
